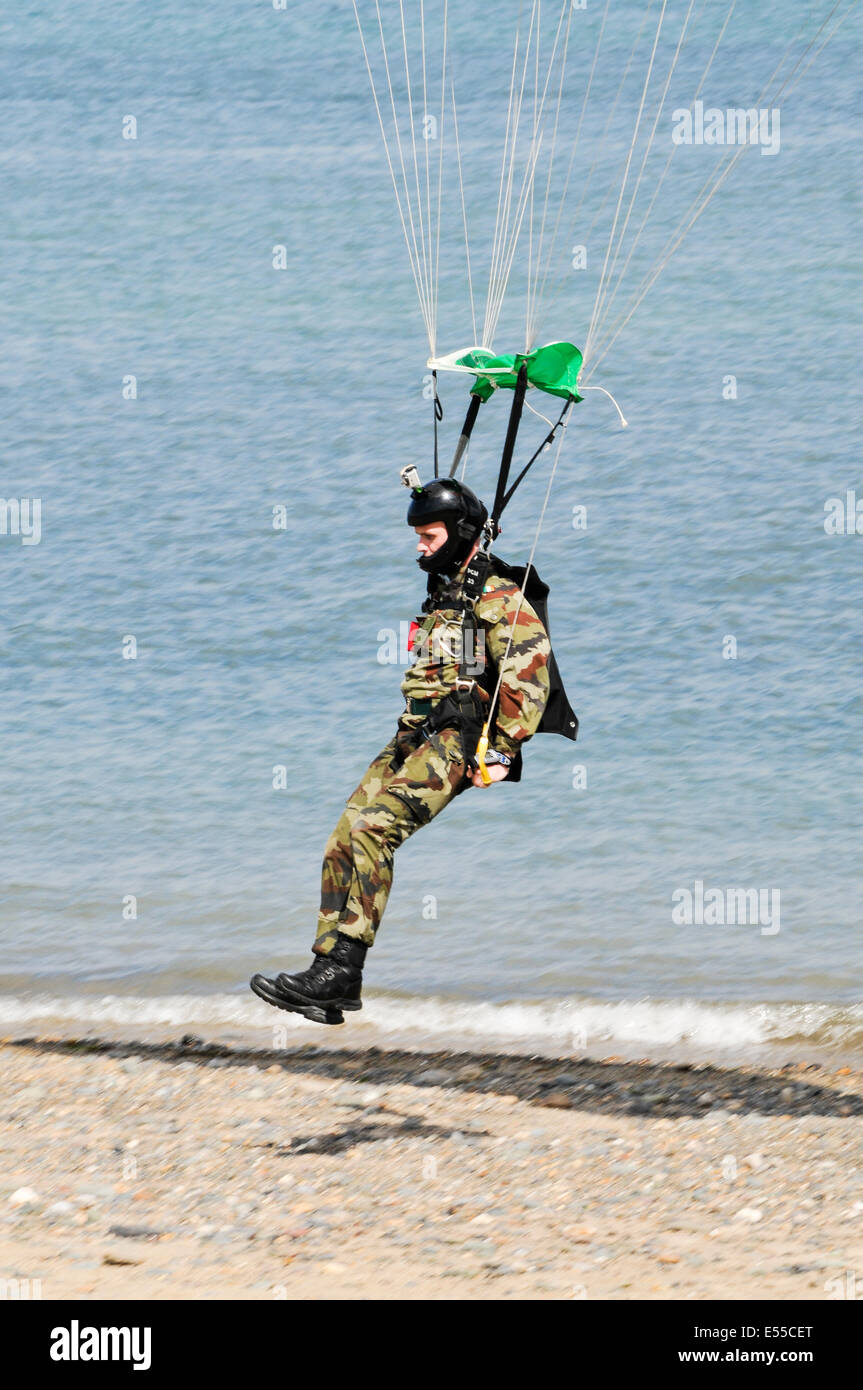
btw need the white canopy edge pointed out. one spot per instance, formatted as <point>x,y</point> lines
<point>450,362</point>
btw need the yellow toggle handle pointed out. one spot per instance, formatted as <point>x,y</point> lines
<point>481,750</point>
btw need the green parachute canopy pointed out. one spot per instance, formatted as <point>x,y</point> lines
<point>553,368</point>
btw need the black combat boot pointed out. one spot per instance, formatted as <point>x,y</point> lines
<point>332,983</point>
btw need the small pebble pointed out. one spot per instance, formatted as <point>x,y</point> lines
<point>558,1100</point>
<point>752,1214</point>
<point>26,1197</point>
<point>135,1232</point>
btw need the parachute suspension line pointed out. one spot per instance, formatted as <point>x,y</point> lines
<point>553,242</point>
<point>840,20</point>
<point>608,124</point>
<point>538,109</point>
<point>501,184</point>
<point>418,276</point>
<point>623,421</point>
<point>806,50</point>
<point>505,264</point>
<point>711,187</point>
<point>493,701</point>
<point>463,212</point>
<point>537,139</point>
<point>428,204</point>
<point>604,303</point>
<point>521,207</point>
<point>533,277</point>
<point>440,160</point>
<point>591,329</point>
<point>532,185</point>
<point>406,220</point>
<point>716,179</point>
<point>670,247</point>
<point>421,218</point>
<point>546,444</point>
<point>433,222</point>
<point>538,413</point>
<point>505,199</point>
<point>507,241</point>
<point>661,180</point>
<point>601,150</point>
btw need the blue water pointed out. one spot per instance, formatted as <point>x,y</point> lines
<point>257,647</point>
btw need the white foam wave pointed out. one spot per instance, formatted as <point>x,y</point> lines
<point>559,1025</point>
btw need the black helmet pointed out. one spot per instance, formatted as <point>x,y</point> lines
<point>448,500</point>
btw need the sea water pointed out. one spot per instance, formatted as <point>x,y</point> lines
<point>190,691</point>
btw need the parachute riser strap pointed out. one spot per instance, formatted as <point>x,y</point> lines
<point>509,443</point>
<point>466,432</point>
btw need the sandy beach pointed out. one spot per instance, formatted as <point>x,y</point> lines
<point>187,1170</point>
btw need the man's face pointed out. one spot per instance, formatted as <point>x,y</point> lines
<point>430,537</point>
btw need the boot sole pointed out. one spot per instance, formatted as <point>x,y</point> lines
<point>349,1004</point>
<point>315,1012</point>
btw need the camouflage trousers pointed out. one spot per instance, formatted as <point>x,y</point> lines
<point>404,788</point>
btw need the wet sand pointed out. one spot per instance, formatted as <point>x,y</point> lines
<point>200,1171</point>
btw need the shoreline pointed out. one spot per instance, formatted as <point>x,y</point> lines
<point>727,1033</point>
<point>193,1169</point>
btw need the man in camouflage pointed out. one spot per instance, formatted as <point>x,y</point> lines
<point>423,767</point>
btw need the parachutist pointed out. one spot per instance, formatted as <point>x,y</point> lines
<point>459,728</point>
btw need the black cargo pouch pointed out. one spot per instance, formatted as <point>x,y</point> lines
<point>407,742</point>
<point>463,709</point>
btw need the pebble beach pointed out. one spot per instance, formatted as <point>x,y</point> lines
<point>184,1169</point>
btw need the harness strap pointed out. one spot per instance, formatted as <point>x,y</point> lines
<point>463,710</point>
<point>466,707</point>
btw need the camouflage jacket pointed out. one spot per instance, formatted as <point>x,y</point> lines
<point>437,651</point>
